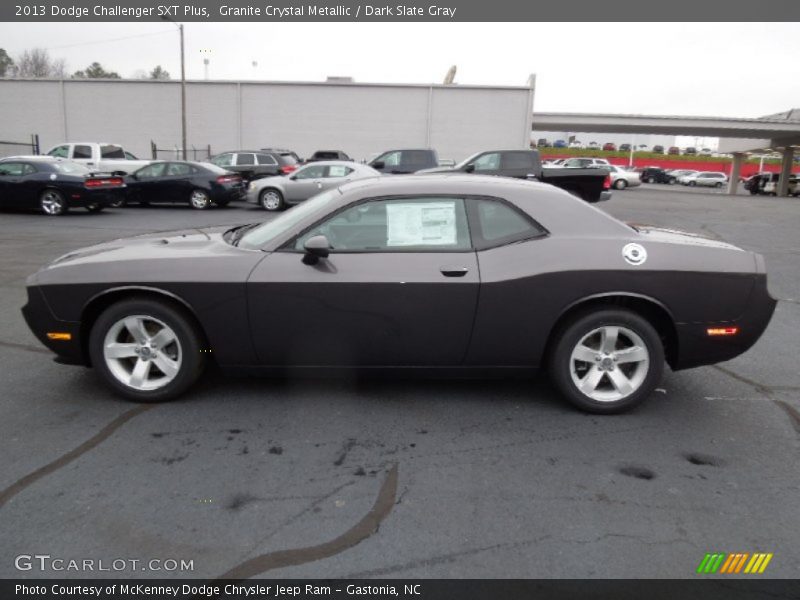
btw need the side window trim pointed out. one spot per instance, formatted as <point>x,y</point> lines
<point>476,231</point>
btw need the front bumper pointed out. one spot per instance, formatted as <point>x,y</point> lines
<point>42,321</point>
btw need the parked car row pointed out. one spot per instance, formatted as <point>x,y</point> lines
<point>687,177</point>
<point>55,185</point>
<point>612,147</point>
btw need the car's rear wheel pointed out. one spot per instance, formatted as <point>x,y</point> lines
<point>692,183</point>
<point>651,180</point>
<point>718,184</point>
<point>620,184</point>
<point>271,199</point>
<point>53,203</point>
<point>607,361</point>
<point>119,203</point>
<point>199,199</point>
<point>146,350</point>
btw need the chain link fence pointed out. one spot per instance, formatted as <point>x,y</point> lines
<point>176,153</point>
<point>20,148</point>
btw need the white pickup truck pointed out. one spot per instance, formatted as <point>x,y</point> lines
<point>106,158</point>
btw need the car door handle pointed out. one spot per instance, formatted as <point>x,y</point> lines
<point>454,271</point>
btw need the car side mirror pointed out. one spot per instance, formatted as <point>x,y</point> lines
<point>469,168</point>
<point>379,164</point>
<point>316,247</point>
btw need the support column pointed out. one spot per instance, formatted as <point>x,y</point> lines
<point>736,171</point>
<point>786,171</point>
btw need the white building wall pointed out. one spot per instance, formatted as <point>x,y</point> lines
<point>361,119</point>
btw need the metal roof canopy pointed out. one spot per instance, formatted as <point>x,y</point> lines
<point>782,129</point>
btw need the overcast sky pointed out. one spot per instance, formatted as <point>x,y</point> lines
<point>745,70</point>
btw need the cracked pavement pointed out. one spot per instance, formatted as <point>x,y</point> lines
<point>494,478</point>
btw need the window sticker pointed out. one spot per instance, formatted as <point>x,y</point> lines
<point>421,224</point>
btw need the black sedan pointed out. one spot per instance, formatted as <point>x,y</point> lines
<point>442,273</point>
<point>54,186</point>
<point>199,185</point>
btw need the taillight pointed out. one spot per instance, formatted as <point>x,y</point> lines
<point>103,182</point>
<point>286,169</point>
<point>229,179</point>
<point>607,182</point>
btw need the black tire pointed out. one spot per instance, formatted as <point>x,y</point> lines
<point>692,183</point>
<point>53,203</point>
<point>571,334</point>
<point>620,184</point>
<point>271,199</point>
<point>190,339</point>
<point>95,208</point>
<point>718,184</point>
<point>120,203</point>
<point>651,180</point>
<point>672,181</point>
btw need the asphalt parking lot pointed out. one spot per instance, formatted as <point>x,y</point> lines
<point>404,478</point>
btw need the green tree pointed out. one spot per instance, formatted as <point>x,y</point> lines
<point>95,71</point>
<point>6,63</point>
<point>159,73</point>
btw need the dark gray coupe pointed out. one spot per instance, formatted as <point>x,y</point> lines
<point>454,274</point>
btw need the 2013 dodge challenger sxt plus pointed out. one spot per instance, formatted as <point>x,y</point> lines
<point>447,274</point>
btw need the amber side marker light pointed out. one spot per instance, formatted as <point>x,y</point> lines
<point>722,330</point>
<point>57,335</point>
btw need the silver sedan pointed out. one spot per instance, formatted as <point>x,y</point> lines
<point>275,193</point>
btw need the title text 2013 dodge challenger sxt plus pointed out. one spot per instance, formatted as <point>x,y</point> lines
<point>452,274</point>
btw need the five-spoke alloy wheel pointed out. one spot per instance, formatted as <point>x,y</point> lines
<point>53,203</point>
<point>607,361</point>
<point>146,349</point>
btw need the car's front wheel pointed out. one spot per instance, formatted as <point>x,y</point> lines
<point>271,200</point>
<point>607,361</point>
<point>146,350</point>
<point>718,184</point>
<point>620,184</point>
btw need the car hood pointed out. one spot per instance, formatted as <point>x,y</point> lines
<point>674,236</point>
<point>186,242</point>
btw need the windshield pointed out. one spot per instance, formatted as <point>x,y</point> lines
<point>466,161</point>
<point>268,231</point>
<point>70,168</point>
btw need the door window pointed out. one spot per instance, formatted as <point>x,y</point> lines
<point>311,172</point>
<point>245,159</point>
<point>339,171</point>
<point>178,169</point>
<point>151,171</point>
<point>12,169</point>
<point>418,224</point>
<point>82,152</point>
<point>487,162</point>
<point>266,159</point>
<point>518,160</point>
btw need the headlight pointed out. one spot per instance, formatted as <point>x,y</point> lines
<point>252,185</point>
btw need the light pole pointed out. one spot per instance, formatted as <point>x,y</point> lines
<point>183,85</point>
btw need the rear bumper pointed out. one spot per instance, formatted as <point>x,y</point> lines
<point>605,195</point>
<point>41,321</point>
<point>696,348</point>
